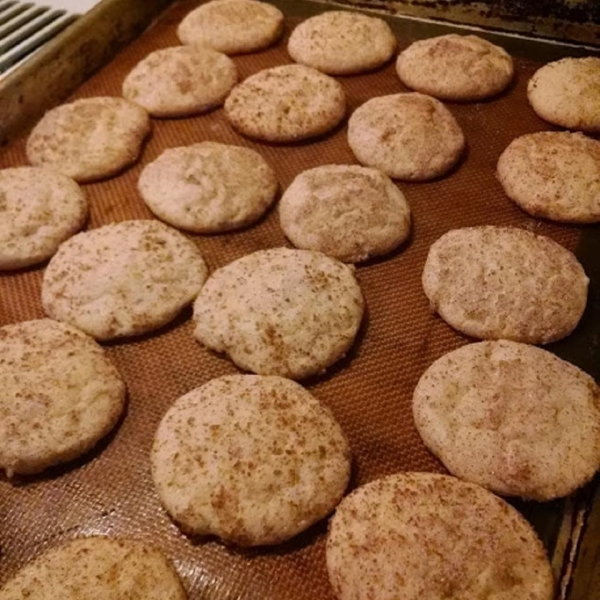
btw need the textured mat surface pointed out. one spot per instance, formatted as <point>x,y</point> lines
<point>110,492</point>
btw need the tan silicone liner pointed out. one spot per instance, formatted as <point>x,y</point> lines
<point>110,492</point>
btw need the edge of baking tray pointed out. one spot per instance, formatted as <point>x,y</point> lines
<point>581,562</point>
<point>58,67</point>
<point>69,59</point>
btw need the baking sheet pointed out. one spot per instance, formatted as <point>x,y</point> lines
<point>110,492</point>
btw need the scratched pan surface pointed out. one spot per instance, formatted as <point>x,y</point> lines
<point>110,492</point>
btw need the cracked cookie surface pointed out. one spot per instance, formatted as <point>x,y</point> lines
<point>511,417</point>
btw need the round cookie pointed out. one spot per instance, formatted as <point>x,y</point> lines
<point>407,136</point>
<point>342,43</point>
<point>90,138</point>
<point>232,26</point>
<point>96,568</point>
<point>420,536</point>
<point>208,187</point>
<point>254,460</point>
<point>555,175</point>
<point>505,283</point>
<point>455,67</point>
<point>39,209</point>
<point>348,212</point>
<point>122,279</point>
<point>566,93</point>
<point>60,395</point>
<point>280,312</point>
<point>286,104</point>
<point>511,417</point>
<point>180,81</point>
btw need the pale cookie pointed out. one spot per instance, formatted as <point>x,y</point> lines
<point>455,67</point>
<point>208,187</point>
<point>511,417</point>
<point>567,93</point>
<point>280,312</point>
<point>342,43</point>
<point>286,104</point>
<point>97,568</point>
<point>407,136</point>
<point>90,138</point>
<point>348,212</point>
<point>253,460</point>
<point>60,395</point>
<point>122,279</point>
<point>503,282</point>
<point>423,536</point>
<point>39,209</point>
<point>180,81</point>
<point>555,175</point>
<point>232,26</point>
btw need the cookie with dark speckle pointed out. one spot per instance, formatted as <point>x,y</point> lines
<point>208,187</point>
<point>180,81</point>
<point>420,536</point>
<point>345,211</point>
<point>286,104</point>
<point>567,93</point>
<point>511,417</point>
<point>90,138</point>
<point>39,209</point>
<point>280,312</point>
<point>97,568</point>
<point>254,460</point>
<point>455,67</point>
<point>407,136</point>
<point>505,283</point>
<point>342,42</point>
<point>60,395</point>
<point>232,26</point>
<point>123,279</point>
<point>553,174</point>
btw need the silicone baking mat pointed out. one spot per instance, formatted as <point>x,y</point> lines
<point>110,492</point>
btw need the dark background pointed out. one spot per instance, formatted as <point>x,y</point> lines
<point>574,20</point>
